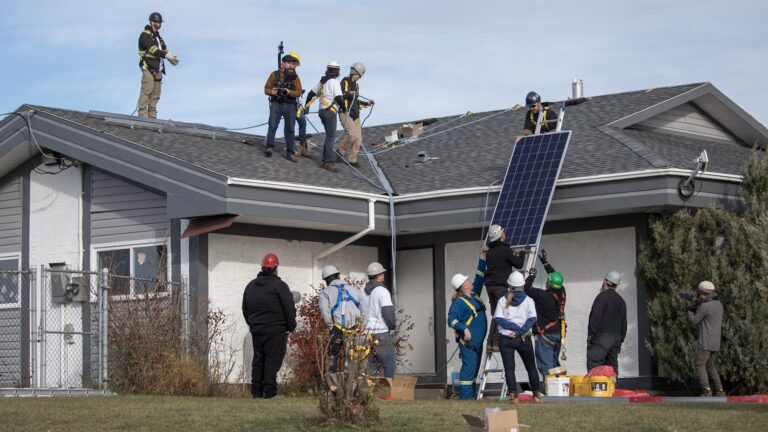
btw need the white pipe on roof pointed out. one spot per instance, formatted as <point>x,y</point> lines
<point>371,226</point>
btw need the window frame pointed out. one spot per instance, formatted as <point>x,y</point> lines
<point>131,245</point>
<point>17,257</point>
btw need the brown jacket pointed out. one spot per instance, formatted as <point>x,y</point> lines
<point>293,92</point>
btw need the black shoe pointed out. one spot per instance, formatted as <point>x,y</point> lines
<point>354,164</point>
<point>292,157</point>
<point>268,152</point>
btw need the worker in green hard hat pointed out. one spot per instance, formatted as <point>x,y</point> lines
<point>550,310</point>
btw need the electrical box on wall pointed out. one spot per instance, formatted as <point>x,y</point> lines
<point>65,288</point>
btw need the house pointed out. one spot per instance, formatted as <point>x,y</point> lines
<point>202,202</point>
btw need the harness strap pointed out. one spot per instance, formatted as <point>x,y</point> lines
<point>343,296</point>
<point>533,120</point>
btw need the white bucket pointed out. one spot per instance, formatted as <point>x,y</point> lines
<point>557,385</point>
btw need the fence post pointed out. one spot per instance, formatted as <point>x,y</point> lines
<point>103,327</point>
<point>185,315</point>
<point>40,299</point>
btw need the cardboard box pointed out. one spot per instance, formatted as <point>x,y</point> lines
<point>410,130</point>
<point>502,421</point>
<point>557,385</point>
<point>399,387</point>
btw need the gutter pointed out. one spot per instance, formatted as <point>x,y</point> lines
<point>338,246</point>
<point>297,187</point>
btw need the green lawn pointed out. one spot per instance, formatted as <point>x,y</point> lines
<point>148,413</point>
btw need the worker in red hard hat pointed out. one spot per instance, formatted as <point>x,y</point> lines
<point>270,312</point>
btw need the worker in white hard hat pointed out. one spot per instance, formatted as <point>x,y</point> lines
<point>340,305</point>
<point>350,114</point>
<point>466,317</point>
<point>502,260</point>
<point>379,320</point>
<point>328,92</point>
<point>515,316</point>
<point>607,325</point>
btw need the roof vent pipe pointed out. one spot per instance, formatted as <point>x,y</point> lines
<point>577,89</point>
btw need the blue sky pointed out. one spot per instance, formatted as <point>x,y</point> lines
<point>424,59</point>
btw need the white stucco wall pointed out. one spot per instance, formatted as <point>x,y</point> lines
<point>55,222</point>
<point>233,261</point>
<point>583,258</point>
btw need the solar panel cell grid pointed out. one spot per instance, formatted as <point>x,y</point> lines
<point>529,185</point>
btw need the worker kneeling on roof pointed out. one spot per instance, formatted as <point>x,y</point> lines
<point>549,118</point>
<point>466,317</point>
<point>340,306</point>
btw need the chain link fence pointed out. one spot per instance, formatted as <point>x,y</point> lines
<point>14,334</point>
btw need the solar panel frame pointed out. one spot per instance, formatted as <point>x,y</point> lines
<point>536,161</point>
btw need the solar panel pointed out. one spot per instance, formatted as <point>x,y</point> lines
<point>528,187</point>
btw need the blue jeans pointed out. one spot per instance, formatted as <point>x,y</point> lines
<point>286,111</point>
<point>383,354</point>
<point>507,347</point>
<point>302,121</point>
<point>546,354</point>
<point>328,118</point>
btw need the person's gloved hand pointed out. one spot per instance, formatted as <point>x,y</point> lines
<point>467,334</point>
<point>543,256</point>
<point>172,58</point>
<point>532,274</point>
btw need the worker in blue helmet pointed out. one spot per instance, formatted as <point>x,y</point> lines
<point>549,120</point>
<point>466,317</point>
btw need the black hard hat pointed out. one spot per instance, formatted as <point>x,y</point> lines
<point>532,99</point>
<point>155,16</point>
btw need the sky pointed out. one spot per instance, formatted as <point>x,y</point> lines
<point>423,58</point>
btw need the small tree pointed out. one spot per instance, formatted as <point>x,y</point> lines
<point>730,249</point>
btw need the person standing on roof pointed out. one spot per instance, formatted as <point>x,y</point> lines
<point>152,51</point>
<point>466,317</point>
<point>549,121</point>
<point>340,307</point>
<point>707,314</point>
<point>607,325</point>
<point>350,116</point>
<point>379,320</point>
<point>283,88</point>
<point>301,120</point>
<point>328,91</point>
<point>515,316</point>
<point>502,260</point>
<point>270,313</point>
<point>550,310</point>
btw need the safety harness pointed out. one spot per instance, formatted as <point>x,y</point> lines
<point>345,89</point>
<point>540,331</point>
<point>343,296</point>
<point>544,118</point>
<point>321,97</point>
<point>150,53</point>
<point>474,310</point>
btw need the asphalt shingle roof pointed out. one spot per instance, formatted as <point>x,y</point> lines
<point>471,151</point>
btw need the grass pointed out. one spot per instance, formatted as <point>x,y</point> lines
<point>151,413</point>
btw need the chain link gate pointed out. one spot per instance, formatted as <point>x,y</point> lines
<point>15,287</point>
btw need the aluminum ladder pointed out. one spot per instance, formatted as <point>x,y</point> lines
<point>487,369</point>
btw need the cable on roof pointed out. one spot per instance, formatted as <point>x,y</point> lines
<point>247,127</point>
<point>60,161</point>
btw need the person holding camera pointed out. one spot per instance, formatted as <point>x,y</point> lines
<point>706,312</point>
<point>283,88</point>
<point>328,92</point>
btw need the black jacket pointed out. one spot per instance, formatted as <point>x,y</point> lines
<point>153,52</point>
<point>500,260</point>
<point>268,305</point>
<point>608,316</point>
<point>547,306</point>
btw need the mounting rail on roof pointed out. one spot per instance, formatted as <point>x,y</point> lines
<point>161,125</point>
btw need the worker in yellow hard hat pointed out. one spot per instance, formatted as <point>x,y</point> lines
<point>283,87</point>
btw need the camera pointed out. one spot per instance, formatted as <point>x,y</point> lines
<point>692,299</point>
<point>282,88</point>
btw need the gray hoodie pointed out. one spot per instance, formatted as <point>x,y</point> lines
<point>349,306</point>
<point>709,318</point>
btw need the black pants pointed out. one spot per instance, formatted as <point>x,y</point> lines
<point>268,354</point>
<point>337,340</point>
<point>507,347</point>
<point>604,350</point>
<point>495,292</point>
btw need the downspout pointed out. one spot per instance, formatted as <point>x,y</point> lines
<point>371,226</point>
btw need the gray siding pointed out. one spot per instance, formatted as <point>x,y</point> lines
<point>121,211</point>
<point>10,217</point>
<point>684,120</point>
<point>10,347</point>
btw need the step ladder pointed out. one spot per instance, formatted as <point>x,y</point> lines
<point>488,369</point>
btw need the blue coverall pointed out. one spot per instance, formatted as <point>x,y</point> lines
<point>469,351</point>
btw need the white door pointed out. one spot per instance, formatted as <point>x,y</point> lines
<point>415,286</point>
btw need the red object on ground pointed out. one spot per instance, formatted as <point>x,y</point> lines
<point>522,397</point>
<point>751,398</point>
<point>387,398</point>
<point>630,393</point>
<point>645,399</point>
<point>604,370</point>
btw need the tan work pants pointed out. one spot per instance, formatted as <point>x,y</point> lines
<point>353,138</point>
<point>151,84</point>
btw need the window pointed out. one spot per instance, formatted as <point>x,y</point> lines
<point>9,282</point>
<point>134,269</point>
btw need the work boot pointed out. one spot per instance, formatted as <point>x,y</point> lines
<point>354,163</point>
<point>720,393</point>
<point>537,398</point>
<point>706,392</point>
<point>268,152</point>
<point>330,166</point>
<point>514,399</point>
<point>292,157</point>
<point>304,149</point>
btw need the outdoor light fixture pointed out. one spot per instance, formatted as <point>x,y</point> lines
<point>687,186</point>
